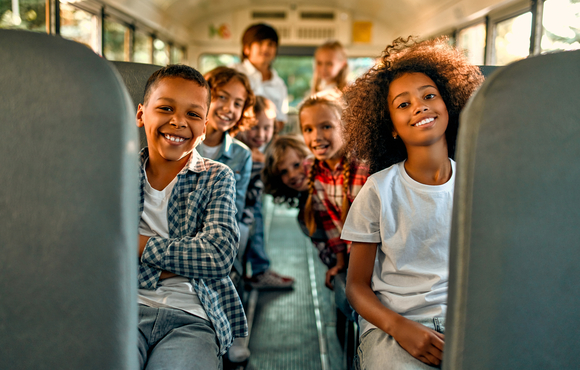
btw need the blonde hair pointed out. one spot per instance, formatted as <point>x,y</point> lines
<point>309,219</point>
<point>341,78</point>
<point>271,178</point>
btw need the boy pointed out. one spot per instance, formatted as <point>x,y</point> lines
<point>259,49</point>
<point>189,310</point>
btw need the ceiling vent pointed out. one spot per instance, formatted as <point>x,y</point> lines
<point>277,15</point>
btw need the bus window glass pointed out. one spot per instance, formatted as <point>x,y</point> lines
<point>472,41</point>
<point>116,41</point>
<point>25,15</point>
<point>142,47</point>
<point>79,25</point>
<point>561,24</point>
<point>512,39</point>
<point>160,54</point>
<point>207,62</point>
<point>358,66</point>
<point>177,55</point>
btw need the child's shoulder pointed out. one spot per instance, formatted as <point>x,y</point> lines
<point>240,144</point>
<point>386,174</point>
<point>214,170</point>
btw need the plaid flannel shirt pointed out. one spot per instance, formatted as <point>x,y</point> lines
<point>202,243</point>
<point>328,200</point>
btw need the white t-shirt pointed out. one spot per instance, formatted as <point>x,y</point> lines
<point>176,292</point>
<point>411,222</point>
<point>274,89</point>
<point>211,152</point>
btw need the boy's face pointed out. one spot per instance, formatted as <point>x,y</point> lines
<point>261,53</point>
<point>174,117</point>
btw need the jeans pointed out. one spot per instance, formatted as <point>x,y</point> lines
<point>174,340</point>
<point>256,254</point>
<point>378,350</point>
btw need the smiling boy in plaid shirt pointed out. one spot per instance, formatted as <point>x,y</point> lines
<point>189,310</point>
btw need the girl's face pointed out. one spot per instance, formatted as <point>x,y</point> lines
<point>261,133</point>
<point>328,64</point>
<point>322,131</point>
<point>417,110</point>
<point>227,106</point>
<point>292,170</point>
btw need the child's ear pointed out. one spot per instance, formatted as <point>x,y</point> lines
<point>247,50</point>
<point>139,116</point>
<point>395,134</point>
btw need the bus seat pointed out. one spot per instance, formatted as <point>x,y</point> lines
<point>515,258</point>
<point>135,76</point>
<point>346,321</point>
<point>69,201</point>
<point>486,71</point>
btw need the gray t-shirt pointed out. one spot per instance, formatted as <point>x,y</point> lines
<point>411,222</point>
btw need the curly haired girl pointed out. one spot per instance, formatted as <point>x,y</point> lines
<point>334,179</point>
<point>402,117</point>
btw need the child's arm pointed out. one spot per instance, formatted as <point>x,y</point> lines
<point>421,342</point>
<point>211,249</point>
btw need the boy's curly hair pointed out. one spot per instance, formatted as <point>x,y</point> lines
<point>219,77</point>
<point>368,125</point>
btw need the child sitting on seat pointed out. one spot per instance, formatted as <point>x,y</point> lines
<point>403,117</point>
<point>260,134</point>
<point>334,179</point>
<point>189,310</point>
<point>229,113</point>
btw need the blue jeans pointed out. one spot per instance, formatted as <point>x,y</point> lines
<point>173,339</point>
<point>378,350</point>
<point>256,254</point>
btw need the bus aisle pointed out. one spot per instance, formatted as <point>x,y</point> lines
<point>293,329</point>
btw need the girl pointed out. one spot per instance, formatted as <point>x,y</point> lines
<point>330,69</point>
<point>403,119</point>
<point>334,178</point>
<point>285,177</point>
<point>260,134</point>
<point>231,99</point>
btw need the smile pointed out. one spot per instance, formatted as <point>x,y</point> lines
<point>175,139</point>
<point>424,122</point>
<point>224,118</point>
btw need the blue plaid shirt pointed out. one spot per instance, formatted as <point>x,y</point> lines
<point>202,243</point>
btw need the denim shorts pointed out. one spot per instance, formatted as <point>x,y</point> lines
<point>378,350</point>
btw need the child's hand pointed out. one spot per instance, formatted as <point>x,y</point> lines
<point>258,156</point>
<point>142,243</point>
<point>420,341</point>
<point>330,275</point>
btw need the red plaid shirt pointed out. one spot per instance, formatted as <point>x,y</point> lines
<point>327,202</point>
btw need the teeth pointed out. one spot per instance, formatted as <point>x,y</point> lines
<point>224,118</point>
<point>426,120</point>
<point>173,138</point>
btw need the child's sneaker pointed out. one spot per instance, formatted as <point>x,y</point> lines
<point>269,280</point>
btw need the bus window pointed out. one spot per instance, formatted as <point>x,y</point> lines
<point>512,39</point>
<point>142,47</point>
<point>116,37</point>
<point>29,15</point>
<point>177,55</point>
<point>296,71</point>
<point>561,22</point>
<point>472,41</point>
<point>79,25</point>
<point>160,53</point>
<point>207,62</point>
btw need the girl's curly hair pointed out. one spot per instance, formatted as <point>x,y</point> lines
<point>368,125</point>
<point>221,76</point>
<point>271,177</point>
